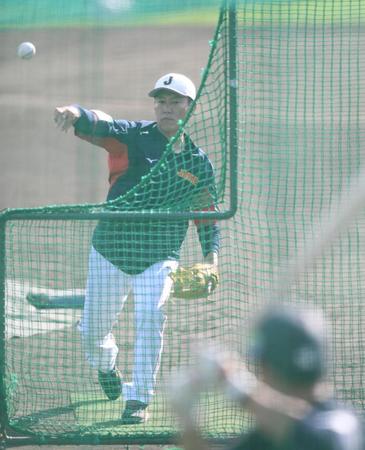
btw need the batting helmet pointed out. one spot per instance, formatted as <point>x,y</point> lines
<point>292,343</point>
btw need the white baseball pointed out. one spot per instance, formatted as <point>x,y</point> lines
<point>26,50</point>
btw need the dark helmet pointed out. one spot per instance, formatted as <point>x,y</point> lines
<point>292,343</point>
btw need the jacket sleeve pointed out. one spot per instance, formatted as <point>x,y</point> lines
<point>100,129</point>
<point>208,230</point>
<point>209,237</point>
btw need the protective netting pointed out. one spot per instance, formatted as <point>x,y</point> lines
<point>284,78</point>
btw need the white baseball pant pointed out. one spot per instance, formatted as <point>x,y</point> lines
<point>107,290</point>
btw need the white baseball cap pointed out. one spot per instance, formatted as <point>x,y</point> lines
<point>175,82</point>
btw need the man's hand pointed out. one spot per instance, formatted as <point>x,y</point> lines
<point>212,370</point>
<point>66,116</point>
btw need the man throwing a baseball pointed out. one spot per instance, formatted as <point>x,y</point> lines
<point>139,256</point>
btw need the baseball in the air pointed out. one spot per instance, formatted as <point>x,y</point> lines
<point>26,50</point>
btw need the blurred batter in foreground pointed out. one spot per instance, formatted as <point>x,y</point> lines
<point>291,404</point>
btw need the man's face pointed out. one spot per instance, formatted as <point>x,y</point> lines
<point>169,109</point>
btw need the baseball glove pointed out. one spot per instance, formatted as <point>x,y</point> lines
<point>196,281</point>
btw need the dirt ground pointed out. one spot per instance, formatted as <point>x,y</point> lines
<point>110,70</point>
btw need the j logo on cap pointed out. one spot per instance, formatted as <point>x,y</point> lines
<point>169,81</point>
<point>175,82</point>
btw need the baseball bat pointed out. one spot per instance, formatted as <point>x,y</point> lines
<point>349,203</point>
<point>331,223</point>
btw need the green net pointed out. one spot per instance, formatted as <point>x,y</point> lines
<point>279,114</point>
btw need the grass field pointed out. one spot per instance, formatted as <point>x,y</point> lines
<point>114,13</point>
<point>110,13</point>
